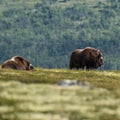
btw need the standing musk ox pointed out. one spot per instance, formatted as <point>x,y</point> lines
<point>18,63</point>
<point>88,58</point>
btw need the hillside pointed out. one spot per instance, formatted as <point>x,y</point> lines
<point>46,32</point>
<point>35,95</point>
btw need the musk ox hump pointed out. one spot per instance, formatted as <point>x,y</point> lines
<point>20,59</point>
<point>24,63</point>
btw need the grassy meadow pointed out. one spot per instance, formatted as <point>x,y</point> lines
<point>35,95</point>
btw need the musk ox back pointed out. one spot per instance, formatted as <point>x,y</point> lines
<point>88,58</point>
<point>17,62</point>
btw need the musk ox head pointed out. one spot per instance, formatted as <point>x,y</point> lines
<point>18,62</point>
<point>99,59</point>
<point>92,58</point>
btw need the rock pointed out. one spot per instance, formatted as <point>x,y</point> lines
<point>72,82</point>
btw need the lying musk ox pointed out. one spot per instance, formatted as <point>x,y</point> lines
<point>17,62</point>
<point>88,58</point>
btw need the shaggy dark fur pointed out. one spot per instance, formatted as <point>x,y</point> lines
<point>88,58</point>
<point>17,62</point>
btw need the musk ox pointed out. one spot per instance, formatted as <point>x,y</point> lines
<point>88,58</point>
<point>17,62</point>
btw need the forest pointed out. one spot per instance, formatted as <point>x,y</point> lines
<point>47,31</point>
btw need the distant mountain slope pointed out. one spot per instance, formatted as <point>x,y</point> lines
<point>46,32</point>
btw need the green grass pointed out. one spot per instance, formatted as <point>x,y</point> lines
<point>35,95</point>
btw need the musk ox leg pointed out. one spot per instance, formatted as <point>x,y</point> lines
<point>87,68</point>
<point>77,67</point>
<point>83,67</point>
<point>71,65</point>
<point>74,66</point>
